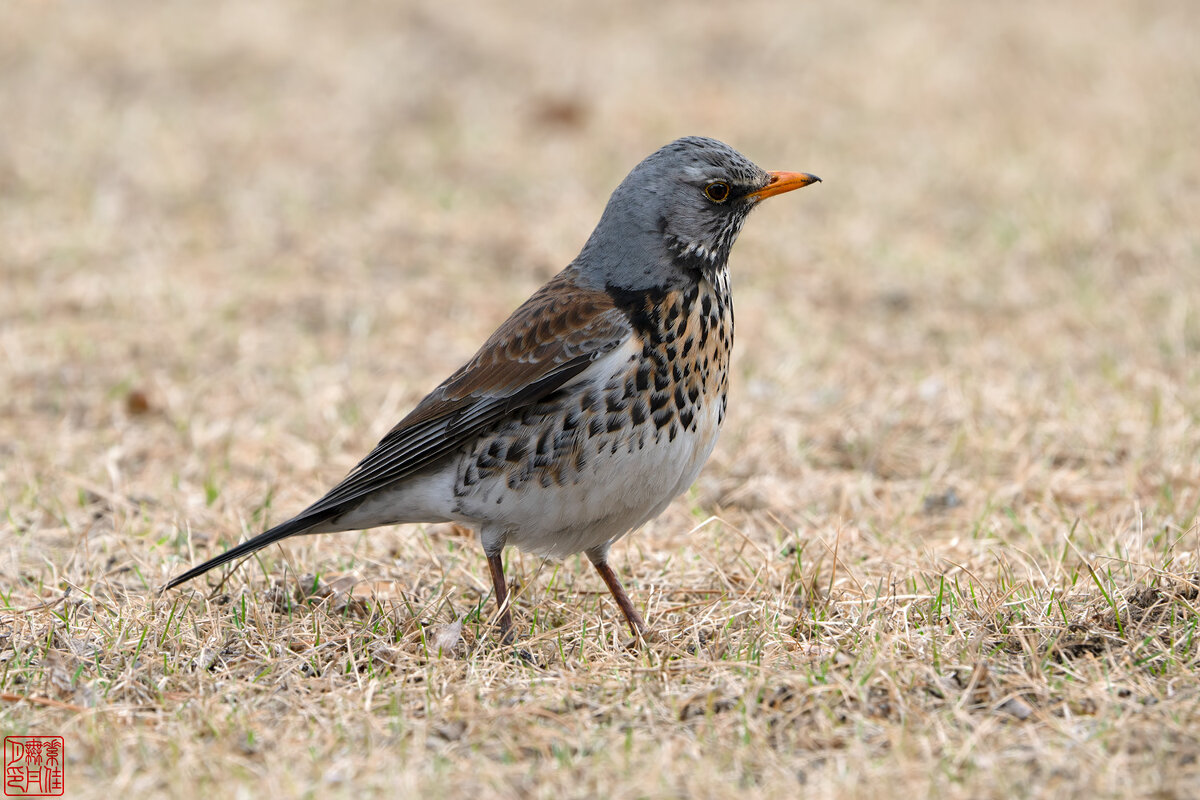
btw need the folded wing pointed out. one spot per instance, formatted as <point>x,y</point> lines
<point>546,343</point>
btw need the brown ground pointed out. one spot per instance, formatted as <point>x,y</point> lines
<point>946,548</point>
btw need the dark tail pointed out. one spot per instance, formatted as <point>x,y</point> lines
<point>292,527</point>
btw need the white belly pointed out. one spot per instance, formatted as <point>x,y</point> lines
<point>615,493</point>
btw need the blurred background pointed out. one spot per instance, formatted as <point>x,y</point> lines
<point>239,240</point>
<point>245,236</point>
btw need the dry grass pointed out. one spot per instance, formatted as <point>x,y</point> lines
<point>947,546</point>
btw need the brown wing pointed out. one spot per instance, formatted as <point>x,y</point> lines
<point>549,340</point>
<point>546,342</point>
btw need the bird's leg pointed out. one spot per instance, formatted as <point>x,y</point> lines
<point>496,564</point>
<point>600,562</point>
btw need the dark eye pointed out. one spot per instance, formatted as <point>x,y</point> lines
<point>717,191</point>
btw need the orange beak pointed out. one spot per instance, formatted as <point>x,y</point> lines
<point>781,182</point>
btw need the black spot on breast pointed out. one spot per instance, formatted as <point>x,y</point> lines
<point>470,476</point>
<point>681,327</point>
<point>563,440</point>
<point>641,305</point>
<point>543,443</point>
<point>643,377</point>
<point>516,451</point>
<point>685,418</point>
<point>638,412</point>
<point>680,399</point>
<point>659,400</point>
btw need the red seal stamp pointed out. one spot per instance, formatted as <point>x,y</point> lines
<point>33,766</point>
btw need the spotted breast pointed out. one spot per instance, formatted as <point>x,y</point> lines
<point>588,463</point>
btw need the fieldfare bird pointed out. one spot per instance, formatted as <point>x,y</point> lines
<point>594,404</point>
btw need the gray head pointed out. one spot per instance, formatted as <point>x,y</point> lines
<point>676,216</point>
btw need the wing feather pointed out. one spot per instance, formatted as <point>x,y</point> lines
<point>547,342</point>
